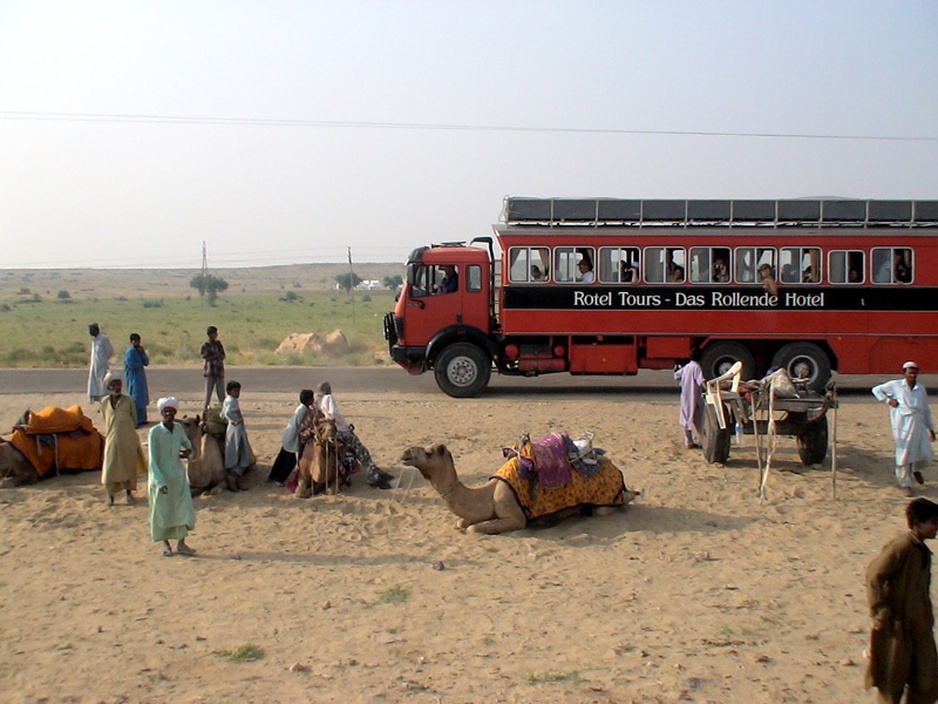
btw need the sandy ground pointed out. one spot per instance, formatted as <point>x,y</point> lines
<point>694,593</point>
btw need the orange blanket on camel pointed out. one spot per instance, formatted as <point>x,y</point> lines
<point>59,439</point>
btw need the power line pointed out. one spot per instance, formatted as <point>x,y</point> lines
<point>247,122</point>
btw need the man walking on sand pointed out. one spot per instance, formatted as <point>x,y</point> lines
<point>101,353</point>
<point>903,658</point>
<point>913,429</point>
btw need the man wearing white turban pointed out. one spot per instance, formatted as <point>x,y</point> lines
<point>123,454</point>
<point>912,425</point>
<point>172,515</point>
<point>101,353</point>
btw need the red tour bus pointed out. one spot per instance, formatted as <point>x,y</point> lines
<point>610,286</point>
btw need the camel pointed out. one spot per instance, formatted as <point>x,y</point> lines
<point>206,464</point>
<point>15,468</point>
<point>493,507</point>
<point>318,469</point>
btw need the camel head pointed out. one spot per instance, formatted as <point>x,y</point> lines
<point>325,433</point>
<point>193,428</point>
<point>429,461</point>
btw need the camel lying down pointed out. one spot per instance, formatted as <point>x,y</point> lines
<point>494,507</point>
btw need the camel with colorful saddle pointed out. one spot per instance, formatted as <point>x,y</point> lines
<point>554,477</point>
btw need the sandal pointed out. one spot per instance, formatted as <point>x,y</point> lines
<point>185,550</point>
<point>167,551</point>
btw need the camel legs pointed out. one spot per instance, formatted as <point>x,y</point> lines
<point>498,525</point>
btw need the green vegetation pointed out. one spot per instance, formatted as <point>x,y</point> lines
<point>395,595</point>
<point>348,281</point>
<point>535,678</point>
<point>45,333</point>
<point>209,286</point>
<point>244,653</point>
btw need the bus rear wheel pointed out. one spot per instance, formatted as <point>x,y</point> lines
<point>462,370</point>
<point>720,356</point>
<point>805,360</point>
<point>714,441</point>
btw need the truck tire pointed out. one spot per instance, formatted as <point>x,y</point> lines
<point>715,442</point>
<point>812,443</point>
<point>805,360</point>
<point>718,357</point>
<point>462,370</point>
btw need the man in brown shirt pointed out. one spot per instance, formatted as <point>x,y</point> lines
<point>902,645</point>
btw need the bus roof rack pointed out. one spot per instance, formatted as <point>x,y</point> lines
<point>599,212</point>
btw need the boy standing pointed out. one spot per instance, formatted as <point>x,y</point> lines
<point>902,645</point>
<point>237,448</point>
<point>213,352</point>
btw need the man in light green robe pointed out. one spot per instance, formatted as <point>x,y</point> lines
<point>172,515</point>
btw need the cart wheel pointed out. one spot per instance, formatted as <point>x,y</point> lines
<point>812,443</point>
<point>715,442</point>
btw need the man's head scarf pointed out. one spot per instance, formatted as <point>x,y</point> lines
<point>168,402</point>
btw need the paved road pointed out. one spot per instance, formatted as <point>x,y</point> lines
<point>188,381</point>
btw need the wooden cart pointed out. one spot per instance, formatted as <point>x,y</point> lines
<point>803,417</point>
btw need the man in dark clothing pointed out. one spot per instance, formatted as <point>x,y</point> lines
<point>213,352</point>
<point>898,581</point>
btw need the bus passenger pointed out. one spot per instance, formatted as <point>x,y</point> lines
<point>677,275</point>
<point>720,273</point>
<point>902,268</point>
<point>536,273</point>
<point>450,281</point>
<point>585,269</point>
<point>768,279</point>
<point>628,272</point>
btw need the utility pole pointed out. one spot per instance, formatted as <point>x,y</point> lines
<point>351,283</point>
<point>204,277</point>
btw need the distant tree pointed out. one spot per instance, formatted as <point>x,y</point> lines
<point>209,286</point>
<point>348,281</point>
<point>63,295</point>
<point>392,282</point>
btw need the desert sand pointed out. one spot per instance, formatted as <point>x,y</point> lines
<point>696,592</point>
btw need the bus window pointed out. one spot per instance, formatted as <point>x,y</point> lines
<point>748,261</point>
<point>664,264</point>
<point>423,281</point>
<point>474,278</point>
<point>619,265</point>
<point>892,265</point>
<point>528,264</point>
<point>567,268</point>
<point>709,265</point>
<point>800,265</point>
<point>846,266</point>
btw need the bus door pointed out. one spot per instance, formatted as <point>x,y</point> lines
<point>442,296</point>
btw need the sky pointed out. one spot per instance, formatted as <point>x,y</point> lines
<point>292,132</point>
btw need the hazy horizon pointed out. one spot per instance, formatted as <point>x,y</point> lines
<point>292,132</point>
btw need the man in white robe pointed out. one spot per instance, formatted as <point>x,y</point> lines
<point>101,353</point>
<point>913,429</point>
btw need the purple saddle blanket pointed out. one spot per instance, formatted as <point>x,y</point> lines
<point>552,461</point>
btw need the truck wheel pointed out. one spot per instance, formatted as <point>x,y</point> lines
<point>462,370</point>
<point>715,442</point>
<point>812,443</point>
<point>805,360</point>
<point>720,356</point>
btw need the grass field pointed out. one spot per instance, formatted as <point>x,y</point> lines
<point>42,327</point>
